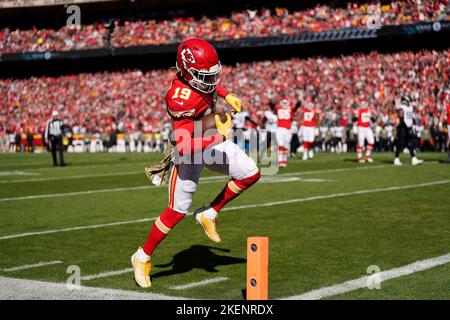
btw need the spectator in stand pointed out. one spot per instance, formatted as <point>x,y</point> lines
<point>93,100</point>
<point>264,22</point>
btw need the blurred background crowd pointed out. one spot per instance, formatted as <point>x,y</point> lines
<point>131,103</point>
<point>246,23</point>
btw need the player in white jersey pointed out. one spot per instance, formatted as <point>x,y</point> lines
<point>338,134</point>
<point>405,113</point>
<point>239,127</point>
<point>267,131</point>
<point>323,135</point>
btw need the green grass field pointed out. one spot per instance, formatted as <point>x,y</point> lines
<point>333,218</point>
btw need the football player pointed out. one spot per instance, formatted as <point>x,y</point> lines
<point>191,96</point>
<point>405,112</point>
<point>284,111</point>
<point>309,115</point>
<point>365,133</point>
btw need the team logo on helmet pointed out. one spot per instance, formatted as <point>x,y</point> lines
<point>187,55</point>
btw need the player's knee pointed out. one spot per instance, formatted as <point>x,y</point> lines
<point>182,206</point>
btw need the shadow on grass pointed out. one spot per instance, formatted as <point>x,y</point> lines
<point>197,257</point>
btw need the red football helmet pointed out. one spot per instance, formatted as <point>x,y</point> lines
<point>198,64</point>
<point>284,103</point>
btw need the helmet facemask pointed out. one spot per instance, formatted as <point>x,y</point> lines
<point>205,81</point>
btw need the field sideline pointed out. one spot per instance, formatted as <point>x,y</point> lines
<point>328,220</point>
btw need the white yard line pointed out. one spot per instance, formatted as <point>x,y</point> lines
<point>32,289</point>
<point>84,176</point>
<point>30,266</point>
<point>363,282</point>
<point>94,226</point>
<point>106,274</point>
<point>78,193</point>
<point>21,289</point>
<point>204,180</point>
<point>17,173</point>
<point>199,283</point>
<point>337,195</point>
<point>267,204</point>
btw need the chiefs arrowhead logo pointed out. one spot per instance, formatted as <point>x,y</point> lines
<point>187,55</point>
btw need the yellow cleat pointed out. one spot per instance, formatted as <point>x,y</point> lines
<point>207,218</point>
<point>141,271</point>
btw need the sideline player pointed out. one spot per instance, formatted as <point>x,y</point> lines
<point>405,112</point>
<point>284,111</point>
<point>365,132</point>
<point>191,96</point>
<point>309,115</point>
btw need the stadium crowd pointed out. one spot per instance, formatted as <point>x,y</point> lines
<point>132,101</point>
<point>248,23</point>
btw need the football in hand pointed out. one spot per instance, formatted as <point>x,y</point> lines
<point>208,124</point>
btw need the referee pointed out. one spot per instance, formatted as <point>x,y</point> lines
<point>53,136</point>
<point>405,135</point>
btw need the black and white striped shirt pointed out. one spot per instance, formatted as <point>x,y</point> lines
<point>54,128</point>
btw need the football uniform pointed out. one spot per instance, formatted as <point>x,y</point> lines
<point>239,120</point>
<point>240,129</point>
<point>408,115</point>
<point>191,96</point>
<point>364,130</point>
<point>271,121</point>
<point>365,133</point>
<point>185,105</point>
<point>405,137</point>
<point>285,117</point>
<point>309,124</point>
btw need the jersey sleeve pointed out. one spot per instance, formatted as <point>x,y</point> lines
<point>185,143</point>
<point>221,91</point>
<point>182,108</point>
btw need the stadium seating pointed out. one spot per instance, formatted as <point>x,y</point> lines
<point>238,25</point>
<point>132,101</point>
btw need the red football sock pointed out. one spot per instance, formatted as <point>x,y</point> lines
<point>305,146</point>
<point>280,154</point>
<point>232,190</point>
<point>359,152</point>
<point>166,221</point>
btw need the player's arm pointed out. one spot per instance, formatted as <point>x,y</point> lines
<point>297,105</point>
<point>272,105</point>
<point>318,118</point>
<point>46,132</point>
<point>182,111</point>
<point>230,98</point>
<point>186,143</point>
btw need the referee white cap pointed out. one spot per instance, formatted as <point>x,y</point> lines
<point>55,113</point>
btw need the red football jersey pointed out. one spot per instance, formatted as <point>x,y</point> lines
<point>447,108</point>
<point>185,105</point>
<point>285,116</point>
<point>309,117</point>
<point>364,115</point>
